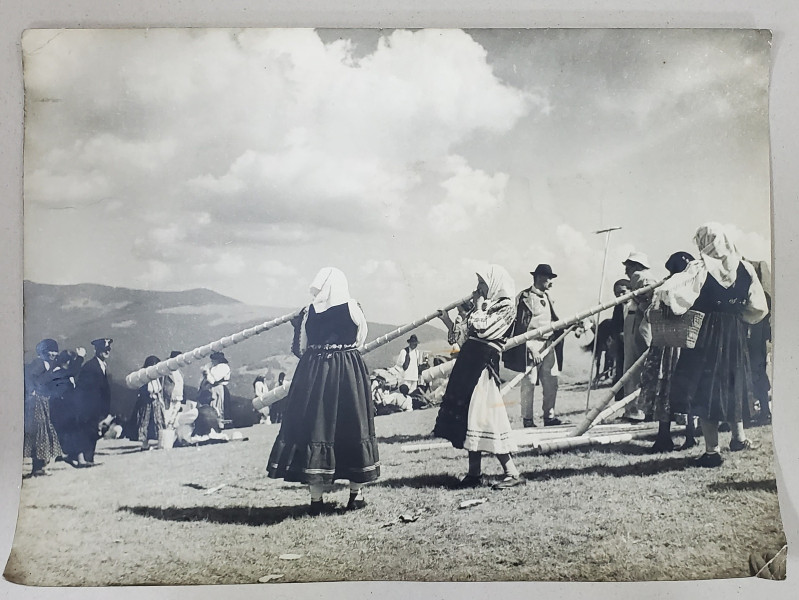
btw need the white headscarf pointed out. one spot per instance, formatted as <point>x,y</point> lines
<point>329,288</point>
<point>719,254</point>
<point>718,257</point>
<point>500,283</point>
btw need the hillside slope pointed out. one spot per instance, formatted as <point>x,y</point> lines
<point>152,322</point>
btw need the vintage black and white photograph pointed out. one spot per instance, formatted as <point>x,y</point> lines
<point>311,305</point>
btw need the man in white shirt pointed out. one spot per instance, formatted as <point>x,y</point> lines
<point>408,363</point>
<point>533,311</point>
<point>637,331</point>
<point>173,391</point>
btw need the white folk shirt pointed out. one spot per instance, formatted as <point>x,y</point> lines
<point>411,374</point>
<point>176,394</point>
<point>219,374</point>
<point>539,304</point>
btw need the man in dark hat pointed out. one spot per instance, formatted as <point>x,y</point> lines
<point>93,392</point>
<point>534,310</point>
<point>408,362</point>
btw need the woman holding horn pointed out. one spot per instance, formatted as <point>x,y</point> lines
<point>472,414</point>
<point>328,431</point>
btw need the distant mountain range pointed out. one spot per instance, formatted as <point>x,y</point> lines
<point>143,322</point>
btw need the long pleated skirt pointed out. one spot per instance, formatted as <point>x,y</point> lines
<point>472,415</point>
<point>714,379</point>
<point>40,439</point>
<point>327,432</point>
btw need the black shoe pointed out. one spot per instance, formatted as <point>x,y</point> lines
<point>528,422</point>
<point>508,482</point>
<point>470,481</point>
<point>709,461</point>
<point>355,503</point>
<point>318,507</point>
<point>688,443</point>
<point>552,422</point>
<point>747,444</point>
<point>662,445</point>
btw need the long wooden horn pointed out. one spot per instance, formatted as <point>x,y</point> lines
<point>278,393</point>
<point>442,370</point>
<point>144,375</point>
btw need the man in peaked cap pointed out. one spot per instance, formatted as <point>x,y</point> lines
<point>408,362</point>
<point>93,392</point>
<point>534,310</point>
<point>637,332</point>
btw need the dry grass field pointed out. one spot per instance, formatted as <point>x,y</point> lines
<point>613,513</point>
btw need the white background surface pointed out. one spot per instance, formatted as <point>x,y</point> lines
<point>781,16</point>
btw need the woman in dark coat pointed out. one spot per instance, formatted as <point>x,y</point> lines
<point>64,404</point>
<point>714,378</point>
<point>40,442</point>
<point>328,432</point>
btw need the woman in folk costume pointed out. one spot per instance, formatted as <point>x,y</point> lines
<point>40,442</point>
<point>64,404</point>
<point>656,379</point>
<point>150,408</point>
<point>714,378</point>
<point>327,432</point>
<point>472,414</point>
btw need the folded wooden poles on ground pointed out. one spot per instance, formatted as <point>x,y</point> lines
<point>272,396</point>
<point>573,436</point>
<point>443,370</point>
<point>145,375</point>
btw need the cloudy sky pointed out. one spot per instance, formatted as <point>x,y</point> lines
<point>245,160</point>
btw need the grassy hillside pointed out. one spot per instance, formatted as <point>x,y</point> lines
<point>152,322</point>
<point>209,515</point>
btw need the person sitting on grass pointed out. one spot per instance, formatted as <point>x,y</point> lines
<point>399,401</point>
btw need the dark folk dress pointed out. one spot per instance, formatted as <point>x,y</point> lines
<point>714,378</point>
<point>328,431</point>
<point>149,412</point>
<point>452,419</point>
<point>40,440</point>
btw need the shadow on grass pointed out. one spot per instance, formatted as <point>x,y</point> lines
<point>651,467</point>
<point>419,481</point>
<point>236,515</point>
<point>763,485</point>
<point>404,439</point>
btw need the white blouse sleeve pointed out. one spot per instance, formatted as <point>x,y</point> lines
<point>756,307</point>
<point>360,320</point>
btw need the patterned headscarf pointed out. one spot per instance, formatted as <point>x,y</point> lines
<point>719,254</point>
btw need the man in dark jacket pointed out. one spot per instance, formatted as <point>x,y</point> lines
<point>94,398</point>
<point>533,311</point>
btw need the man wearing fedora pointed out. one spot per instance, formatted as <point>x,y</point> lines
<point>93,390</point>
<point>408,362</point>
<point>534,310</point>
<point>637,332</point>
